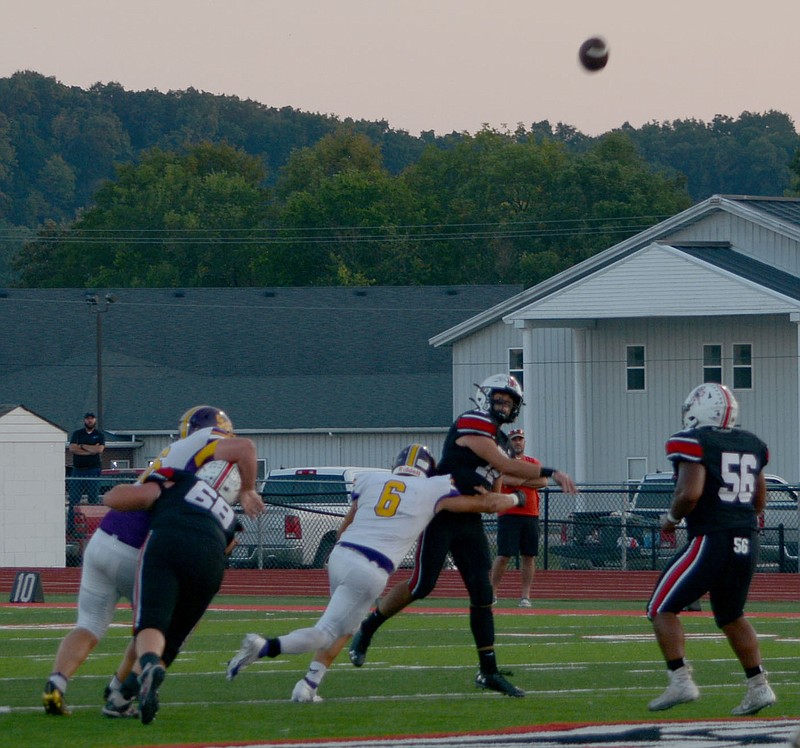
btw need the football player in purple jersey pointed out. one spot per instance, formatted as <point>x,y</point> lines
<point>474,454</point>
<point>719,491</point>
<point>109,570</point>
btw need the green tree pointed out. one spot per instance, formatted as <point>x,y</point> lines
<point>518,209</point>
<point>795,168</point>
<point>749,155</point>
<point>343,219</point>
<point>174,219</point>
<point>57,180</point>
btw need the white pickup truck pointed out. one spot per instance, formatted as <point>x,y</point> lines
<point>305,506</point>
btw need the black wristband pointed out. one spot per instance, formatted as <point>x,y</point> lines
<point>546,472</point>
<point>521,498</point>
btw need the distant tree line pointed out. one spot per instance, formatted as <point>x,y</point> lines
<point>108,187</point>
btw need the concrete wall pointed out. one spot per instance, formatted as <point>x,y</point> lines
<point>32,516</point>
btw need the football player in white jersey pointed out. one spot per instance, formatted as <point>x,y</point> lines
<point>386,517</point>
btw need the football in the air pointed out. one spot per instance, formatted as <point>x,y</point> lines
<point>593,54</point>
<point>223,477</point>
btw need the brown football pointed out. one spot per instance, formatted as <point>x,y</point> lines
<point>593,54</point>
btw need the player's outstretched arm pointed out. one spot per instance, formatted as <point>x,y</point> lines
<point>127,497</point>
<point>488,502</point>
<point>487,448</point>
<point>242,451</point>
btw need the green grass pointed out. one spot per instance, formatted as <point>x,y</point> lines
<point>575,666</point>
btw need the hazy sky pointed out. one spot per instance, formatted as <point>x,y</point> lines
<point>438,65</point>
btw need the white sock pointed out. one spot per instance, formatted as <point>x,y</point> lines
<point>316,672</point>
<point>59,681</point>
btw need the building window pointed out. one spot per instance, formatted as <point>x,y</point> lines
<point>742,366</point>
<point>635,368</point>
<point>515,365</point>
<point>712,363</point>
<point>637,468</point>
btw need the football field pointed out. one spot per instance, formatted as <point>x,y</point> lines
<point>589,670</point>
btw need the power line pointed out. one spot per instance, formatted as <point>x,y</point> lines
<point>349,234</point>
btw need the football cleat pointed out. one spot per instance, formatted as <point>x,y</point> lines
<point>758,696</point>
<point>247,654</point>
<point>358,647</point>
<point>524,602</point>
<point>681,690</point>
<point>117,705</point>
<point>497,682</point>
<point>151,678</point>
<point>53,700</point>
<point>305,693</point>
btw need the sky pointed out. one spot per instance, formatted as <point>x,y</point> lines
<point>441,65</point>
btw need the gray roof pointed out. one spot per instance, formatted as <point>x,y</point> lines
<point>746,267</point>
<point>274,358</point>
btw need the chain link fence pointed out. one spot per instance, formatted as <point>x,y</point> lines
<point>600,528</point>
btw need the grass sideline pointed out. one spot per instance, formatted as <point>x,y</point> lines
<point>579,662</point>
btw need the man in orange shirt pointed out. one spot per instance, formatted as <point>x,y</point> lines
<point>518,528</point>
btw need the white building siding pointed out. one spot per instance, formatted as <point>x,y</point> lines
<point>303,449</point>
<point>659,281</point>
<point>748,238</point>
<point>636,424</point>
<point>549,415</point>
<point>32,512</point>
<point>480,356</point>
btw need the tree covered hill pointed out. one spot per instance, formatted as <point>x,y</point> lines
<point>59,143</point>
<point>97,183</point>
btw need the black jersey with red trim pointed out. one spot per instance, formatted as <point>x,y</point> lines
<point>732,459</point>
<point>468,469</point>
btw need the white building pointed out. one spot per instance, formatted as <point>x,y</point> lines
<point>31,489</point>
<point>609,348</point>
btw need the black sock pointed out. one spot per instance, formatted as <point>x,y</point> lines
<point>373,622</point>
<point>675,664</point>
<point>271,649</point>
<point>149,658</point>
<point>488,661</point>
<point>751,672</point>
<point>130,686</point>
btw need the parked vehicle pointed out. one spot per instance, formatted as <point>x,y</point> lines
<point>596,537</point>
<point>305,507</point>
<point>778,522</point>
<point>86,517</point>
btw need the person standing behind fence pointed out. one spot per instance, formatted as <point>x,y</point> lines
<point>720,489</point>
<point>518,528</point>
<point>86,444</point>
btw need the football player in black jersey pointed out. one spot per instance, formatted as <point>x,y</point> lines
<point>720,489</point>
<point>474,454</point>
<point>192,528</point>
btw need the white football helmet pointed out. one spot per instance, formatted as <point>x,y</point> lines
<point>499,383</point>
<point>710,404</point>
